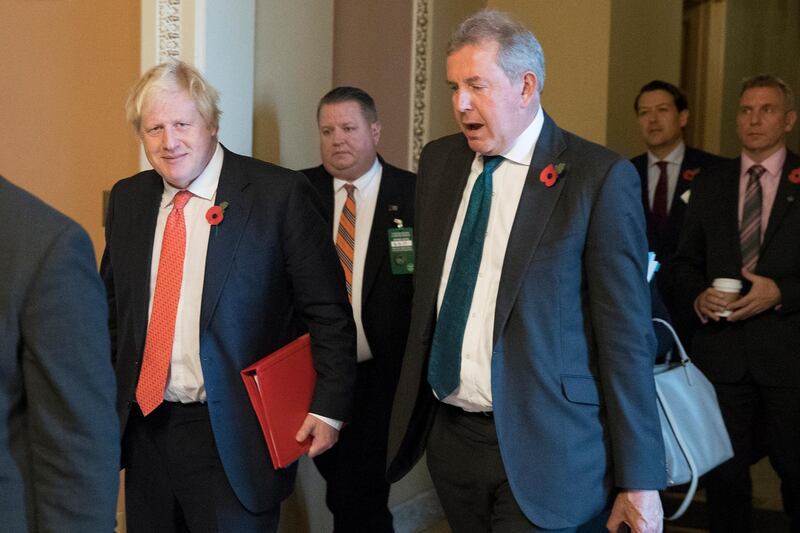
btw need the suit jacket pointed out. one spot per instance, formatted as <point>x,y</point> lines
<point>59,436</point>
<point>765,345</point>
<point>385,297</point>
<point>270,263</point>
<point>572,360</point>
<point>665,242</point>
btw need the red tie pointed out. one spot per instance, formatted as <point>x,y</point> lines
<point>660,198</point>
<point>161,328</point>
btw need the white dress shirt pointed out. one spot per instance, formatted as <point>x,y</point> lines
<point>366,197</point>
<point>674,161</point>
<point>475,390</point>
<point>185,382</point>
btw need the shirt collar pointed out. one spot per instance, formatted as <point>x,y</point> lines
<point>773,164</point>
<point>363,182</point>
<point>204,186</point>
<point>675,156</point>
<point>522,150</point>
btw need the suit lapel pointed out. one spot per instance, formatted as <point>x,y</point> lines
<point>535,208</point>
<point>223,241</point>
<point>140,244</point>
<point>378,237</point>
<point>786,196</point>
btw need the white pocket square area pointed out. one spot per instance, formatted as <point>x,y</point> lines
<point>685,196</point>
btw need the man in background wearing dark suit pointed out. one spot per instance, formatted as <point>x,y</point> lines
<point>528,375</point>
<point>213,260</point>
<point>667,171</point>
<point>744,222</point>
<point>363,193</point>
<point>59,435</point>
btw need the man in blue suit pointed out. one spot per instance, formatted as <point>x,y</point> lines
<point>528,371</point>
<point>59,446</point>
<point>212,261</point>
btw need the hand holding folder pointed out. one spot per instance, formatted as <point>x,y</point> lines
<point>280,387</point>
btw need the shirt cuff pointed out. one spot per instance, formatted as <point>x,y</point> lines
<point>335,424</point>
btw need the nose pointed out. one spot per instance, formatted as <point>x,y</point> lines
<point>169,139</point>
<point>463,102</point>
<point>338,136</point>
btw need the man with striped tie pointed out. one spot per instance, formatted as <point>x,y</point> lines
<point>369,204</point>
<point>743,222</point>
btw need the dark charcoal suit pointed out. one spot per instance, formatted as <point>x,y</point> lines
<point>354,469</point>
<point>755,363</point>
<point>665,242</point>
<point>59,436</point>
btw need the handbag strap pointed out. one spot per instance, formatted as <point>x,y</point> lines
<point>681,351</point>
<point>679,438</point>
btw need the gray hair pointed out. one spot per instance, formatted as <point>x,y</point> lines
<point>770,80</point>
<point>519,50</point>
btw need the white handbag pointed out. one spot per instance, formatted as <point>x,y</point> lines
<point>695,438</point>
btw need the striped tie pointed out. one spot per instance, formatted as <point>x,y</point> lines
<point>346,238</point>
<point>750,232</point>
<point>161,328</point>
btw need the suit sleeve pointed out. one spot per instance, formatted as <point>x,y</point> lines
<point>69,383</point>
<point>321,300</point>
<point>107,275</point>
<point>619,301</point>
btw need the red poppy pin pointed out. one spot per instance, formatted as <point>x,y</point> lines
<point>794,176</point>
<point>690,173</point>
<point>216,214</point>
<point>551,173</point>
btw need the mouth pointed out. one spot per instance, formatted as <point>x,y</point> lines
<point>472,126</point>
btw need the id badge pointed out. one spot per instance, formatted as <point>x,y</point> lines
<point>401,250</point>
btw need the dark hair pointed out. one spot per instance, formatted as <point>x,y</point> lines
<point>658,85</point>
<point>351,94</point>
<point>770,80</point>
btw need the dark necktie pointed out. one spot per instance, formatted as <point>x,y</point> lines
<point>167,294</point>
<point>346,238</point>
<point>444,367</point>
<point>659,210</point>
<point>750,232</point>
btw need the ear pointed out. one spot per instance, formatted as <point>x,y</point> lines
<point>791,118</point>
<point>530,88</point>
<point>683,118</point>
<point>375,130</point>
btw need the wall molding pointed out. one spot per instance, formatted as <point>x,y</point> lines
<point>420,65</point>
<point>169,29</point>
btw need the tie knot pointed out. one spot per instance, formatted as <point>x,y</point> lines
<point>755,172</point>
<point>491,162</point>
<point>181,199</point>
<point>349,187</point>
<point>662,165</point>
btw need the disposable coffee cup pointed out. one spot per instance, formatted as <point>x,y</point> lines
<point>730,288</point>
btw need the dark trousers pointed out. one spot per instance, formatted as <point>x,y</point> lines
<point>470,479</point>
<point>174,480</point>
<point>760,421</point>
<point>355,468</point>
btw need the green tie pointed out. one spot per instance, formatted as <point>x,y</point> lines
<point>444,368</point>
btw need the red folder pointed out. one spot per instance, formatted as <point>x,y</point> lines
<point>280,387</point>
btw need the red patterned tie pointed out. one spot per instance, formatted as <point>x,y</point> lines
<point>346,238</point>
<point>161,328</point>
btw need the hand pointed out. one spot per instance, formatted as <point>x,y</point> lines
<point>763,295</point>
<point>323,435</point>
<point>708,303</point>
<point>640,509</point>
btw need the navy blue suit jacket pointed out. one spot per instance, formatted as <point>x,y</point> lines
<point>271,272</point>
<point>59,436</point>
<point>572,361</point>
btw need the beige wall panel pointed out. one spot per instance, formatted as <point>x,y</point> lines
<point>575,35</point>
<point>293,69</point>
<point>66,69</point>
<point>645,45</point>
<point>372,50</point>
